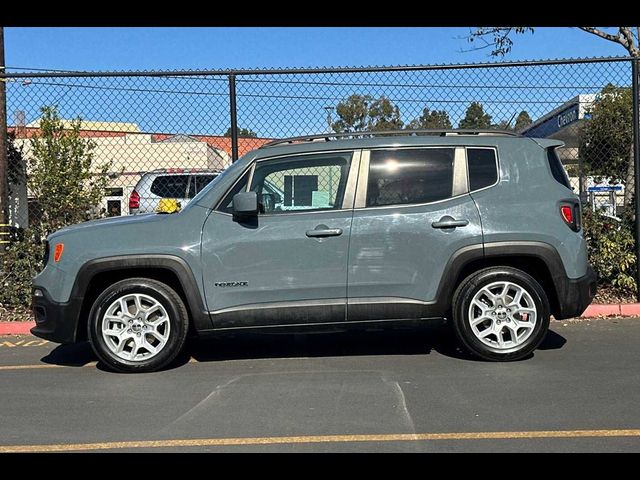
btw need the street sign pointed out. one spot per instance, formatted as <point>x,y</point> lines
<point>606,188</point>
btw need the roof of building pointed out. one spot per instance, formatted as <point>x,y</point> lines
<point>92,125</point>
<point>560,117</point>
<point>245,144</point>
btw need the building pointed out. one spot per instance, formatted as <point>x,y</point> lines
<point>132,153</point>
<point>564,123</point>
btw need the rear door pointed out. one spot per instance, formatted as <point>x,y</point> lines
<point>412,213</point>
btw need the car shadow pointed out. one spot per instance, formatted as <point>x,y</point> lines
<point>553,341</point>
<point>404,340</point>
<point>76,355</point>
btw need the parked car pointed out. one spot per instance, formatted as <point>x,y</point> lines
<point>169,183</point>
<point>477,227</point>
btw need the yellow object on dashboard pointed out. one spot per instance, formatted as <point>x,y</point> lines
<point>168,205</point>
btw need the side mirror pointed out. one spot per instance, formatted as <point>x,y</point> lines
<point>245,204</point>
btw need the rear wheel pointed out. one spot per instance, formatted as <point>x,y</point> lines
<point>500,314</point>
<point>138,325</point>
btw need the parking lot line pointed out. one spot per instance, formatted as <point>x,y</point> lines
<point>37,366</point>
<point>399,437</point>
<point>29,367</point>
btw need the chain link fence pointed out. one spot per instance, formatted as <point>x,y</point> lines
<point>141,137</point>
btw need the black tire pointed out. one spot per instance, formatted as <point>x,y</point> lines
<point>178,322</point>
<point>464,295</point>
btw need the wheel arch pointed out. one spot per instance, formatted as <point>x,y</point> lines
<point>173,271</point>
<point>538,259</point>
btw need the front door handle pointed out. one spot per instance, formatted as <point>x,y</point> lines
<point>449,222</point>
<point>324,231</point>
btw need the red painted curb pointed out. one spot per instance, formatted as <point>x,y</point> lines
<point>630,309</point>
<point>621,309</point>
<point>596,310</point>
<point>16,328</point>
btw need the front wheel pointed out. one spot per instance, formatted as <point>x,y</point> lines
<point>138,325</point>
<point>500,314</point>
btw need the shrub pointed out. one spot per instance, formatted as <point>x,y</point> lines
<point>611,249</point>
<point>21,261</point>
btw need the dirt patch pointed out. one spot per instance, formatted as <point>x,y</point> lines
<point>607,295</point>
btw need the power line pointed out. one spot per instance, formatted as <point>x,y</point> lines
<point>286,97</point>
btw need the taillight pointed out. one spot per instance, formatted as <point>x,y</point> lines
<point>570,213</point>
<point>134,200</point>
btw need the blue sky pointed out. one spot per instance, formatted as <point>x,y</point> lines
<point>283,106</point>
<point>199,48</point>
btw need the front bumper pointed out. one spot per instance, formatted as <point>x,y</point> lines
<point>575,295</point>
<point>57,322</point>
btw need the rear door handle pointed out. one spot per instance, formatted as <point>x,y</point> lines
<point>449,222</point>
<point>324,231</point>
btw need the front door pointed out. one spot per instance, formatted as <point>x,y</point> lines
<point>413,212</point>
<point>288,265</point>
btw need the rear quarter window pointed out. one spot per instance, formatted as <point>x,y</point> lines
<point>557,170</point>
<point>482,166</point>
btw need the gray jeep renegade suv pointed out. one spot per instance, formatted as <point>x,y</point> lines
<point>478,227</point>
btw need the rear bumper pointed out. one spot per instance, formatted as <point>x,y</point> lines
<point>575,295</point>
<point>57,322</point>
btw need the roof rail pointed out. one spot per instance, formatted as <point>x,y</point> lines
<point>442,133</point>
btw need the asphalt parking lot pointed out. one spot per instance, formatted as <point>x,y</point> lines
<point>393,390</point>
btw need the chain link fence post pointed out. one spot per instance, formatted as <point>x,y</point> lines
<point>233,114</point>
<point>636,160</point>
<point>4,167</point>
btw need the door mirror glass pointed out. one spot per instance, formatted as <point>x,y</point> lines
<point>245,204</point>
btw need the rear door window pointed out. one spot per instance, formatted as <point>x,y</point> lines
<point>170,186</point>
<point>409,176</point>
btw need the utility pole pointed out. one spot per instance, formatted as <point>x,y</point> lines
<point>329,117</point>
<point>4,183</point>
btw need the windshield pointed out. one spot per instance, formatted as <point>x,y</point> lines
<point>228,171</point>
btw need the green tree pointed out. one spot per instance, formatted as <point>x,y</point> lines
<point>430,119</point>
<point>63,177</point>
<point>523,120</point>
<point>606,140</point>
<point>68,187</point>
<point>499,39</point>
<point>242,133</point>
<point>353,114</point>
<point>361,112</point>
<point>475,117</point>
<point>384,115</point>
